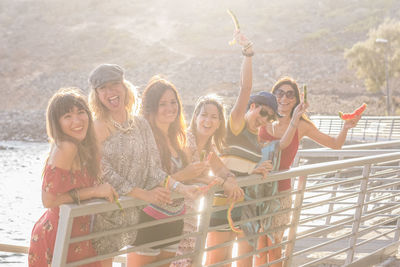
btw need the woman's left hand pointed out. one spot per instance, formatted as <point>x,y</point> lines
<point>348,124</point>
<point>232,190</point>
<point>264,168</point>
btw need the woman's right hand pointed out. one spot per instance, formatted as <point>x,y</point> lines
<point>106,191</point>
<point>158,195</point>
<point>300,109</point>
<point>264,168</point>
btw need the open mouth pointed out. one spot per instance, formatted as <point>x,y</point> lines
<point>114,101</point>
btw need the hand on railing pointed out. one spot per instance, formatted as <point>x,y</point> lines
<point>106,191</point>
<point>188,191</point>
<point>232,190</point>
<point>158,195</point>
<point>264,168</point>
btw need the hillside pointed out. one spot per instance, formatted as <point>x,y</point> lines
<point>48,44</point>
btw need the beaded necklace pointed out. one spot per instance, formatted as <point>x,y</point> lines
<point>125,126</point>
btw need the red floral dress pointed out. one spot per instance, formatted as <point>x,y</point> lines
<point>58,181</point>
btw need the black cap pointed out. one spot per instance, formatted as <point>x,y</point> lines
<point>267,99</point>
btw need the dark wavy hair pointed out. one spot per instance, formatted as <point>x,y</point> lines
<point>152,94</point>
<point>292,83</point>
<point>218,137</point>
<point>61,103</point>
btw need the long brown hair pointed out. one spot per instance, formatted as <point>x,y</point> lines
<point>61,103</point>
<point>292,83</point>
<point>218,138</point>
<point>152,94</point>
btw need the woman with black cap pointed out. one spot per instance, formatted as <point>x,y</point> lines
<point>242,154</point>
<point>130,160</point>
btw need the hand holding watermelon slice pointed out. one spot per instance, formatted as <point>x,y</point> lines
<point>350,116</point>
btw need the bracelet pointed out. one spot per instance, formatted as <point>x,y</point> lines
<point>73,193</point>
<point>244,53</point>
<point>166,181</point>
<point>249,44</point>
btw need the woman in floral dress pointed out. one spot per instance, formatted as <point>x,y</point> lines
<point>69,176</point>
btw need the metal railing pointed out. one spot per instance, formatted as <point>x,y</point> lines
<point>360,196</point>
<point>369,128</point>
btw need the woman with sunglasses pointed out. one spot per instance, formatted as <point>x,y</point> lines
<point>242,153</point>
<point>287,93</point>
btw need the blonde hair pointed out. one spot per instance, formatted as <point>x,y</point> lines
<point>100,112</point>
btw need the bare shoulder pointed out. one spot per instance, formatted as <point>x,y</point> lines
<point>63,155</point>
<point>101,130</point>
<point>305,127</point>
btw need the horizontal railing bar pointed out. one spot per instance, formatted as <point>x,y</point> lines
<point>323,244</point>
<point>326,214</point>
<point>326,201</point>
<point>324,231</point>
<point>381,144</point>
<point>312,263</point>
<point>369,229</point>
<point>307,170</point>
<point>330,184</point>
<point>347,191</point>
<point>312,153</point>
<point>13,248</point>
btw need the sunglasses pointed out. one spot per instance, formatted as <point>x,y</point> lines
<point>279,93</point>
<point>263,113</point>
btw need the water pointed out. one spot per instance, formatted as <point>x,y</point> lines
<point>21,165</point>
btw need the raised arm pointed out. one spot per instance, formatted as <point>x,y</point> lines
<point>293,125</point>
<point>246,82</point>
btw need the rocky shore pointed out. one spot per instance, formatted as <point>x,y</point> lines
<point>23,126</point>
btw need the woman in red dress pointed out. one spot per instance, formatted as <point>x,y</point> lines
<point>69,176</point>
<point>287,94</point>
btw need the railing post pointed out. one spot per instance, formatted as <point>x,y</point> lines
<point>391,130</point>
<point>365,128</point>
<point>333,194</point>
<point>397,233</point>
<point>295,220</point>
<point>358,213</point>
<point>63,236</point>
<point>203,228</point>
<point>377,130</point>
<point>330,126</point>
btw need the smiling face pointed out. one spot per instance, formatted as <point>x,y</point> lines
<point>75,123</point>
<point>258,115</point>
<point>287,99</point>
<point>112,95</point>
<point>167,108</point>
<point>208,120</point>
